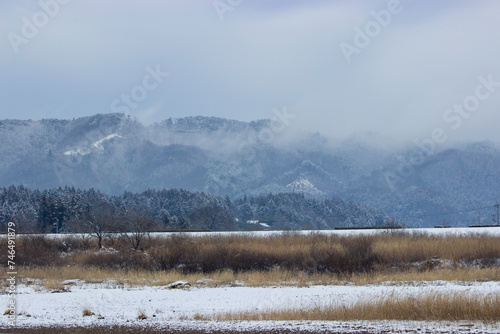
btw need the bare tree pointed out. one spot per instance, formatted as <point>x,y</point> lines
<point>77,225</point>
<point>212,217</point>
<point>135,225</point>
<point>98,220</point>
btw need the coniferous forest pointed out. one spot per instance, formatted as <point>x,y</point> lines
<point>70,210</point>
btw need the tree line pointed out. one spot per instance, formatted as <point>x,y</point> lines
<point>74,210</point>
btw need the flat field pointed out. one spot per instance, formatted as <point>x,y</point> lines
<point>443,281</point>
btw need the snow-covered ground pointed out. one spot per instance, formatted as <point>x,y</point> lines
<point>431,231</point>
<point>113,304</point>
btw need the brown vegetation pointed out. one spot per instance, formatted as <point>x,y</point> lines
<point>141,315</point>
<point>87,313</point>
<point>430,306</point>
<point>287,258</point>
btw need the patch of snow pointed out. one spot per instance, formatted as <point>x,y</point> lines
<point>302,185</point>
<point>79,151</point>
<point>256,222</point>
<point>104,250</point>
<point>98,144</point>
<point>204,282</point>
<point>179,285</point>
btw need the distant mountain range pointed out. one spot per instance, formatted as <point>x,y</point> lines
<point>114,153</point>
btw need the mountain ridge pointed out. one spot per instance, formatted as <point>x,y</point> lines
<point>115,153</point>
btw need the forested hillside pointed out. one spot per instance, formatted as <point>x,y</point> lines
<point>73,210</point>
<point>114,153</point>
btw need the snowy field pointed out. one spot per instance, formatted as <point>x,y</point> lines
<point>177,308</point>
<point>116,304</point>
<point>430,231</point>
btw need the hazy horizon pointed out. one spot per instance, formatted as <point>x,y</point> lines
<point>407,70</point>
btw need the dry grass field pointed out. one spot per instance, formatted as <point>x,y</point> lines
<point>286,259</point>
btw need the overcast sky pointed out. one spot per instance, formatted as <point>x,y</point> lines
<point>241,59</point>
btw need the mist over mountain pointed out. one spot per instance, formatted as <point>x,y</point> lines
<point>114,153</point>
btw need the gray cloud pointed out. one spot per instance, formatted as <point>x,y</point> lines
<point>262,56</point>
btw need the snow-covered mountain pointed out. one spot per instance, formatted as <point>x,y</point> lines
<point>113,153</point>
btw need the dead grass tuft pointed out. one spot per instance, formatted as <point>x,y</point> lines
<point>87,313</point>
<point>142,315</point>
